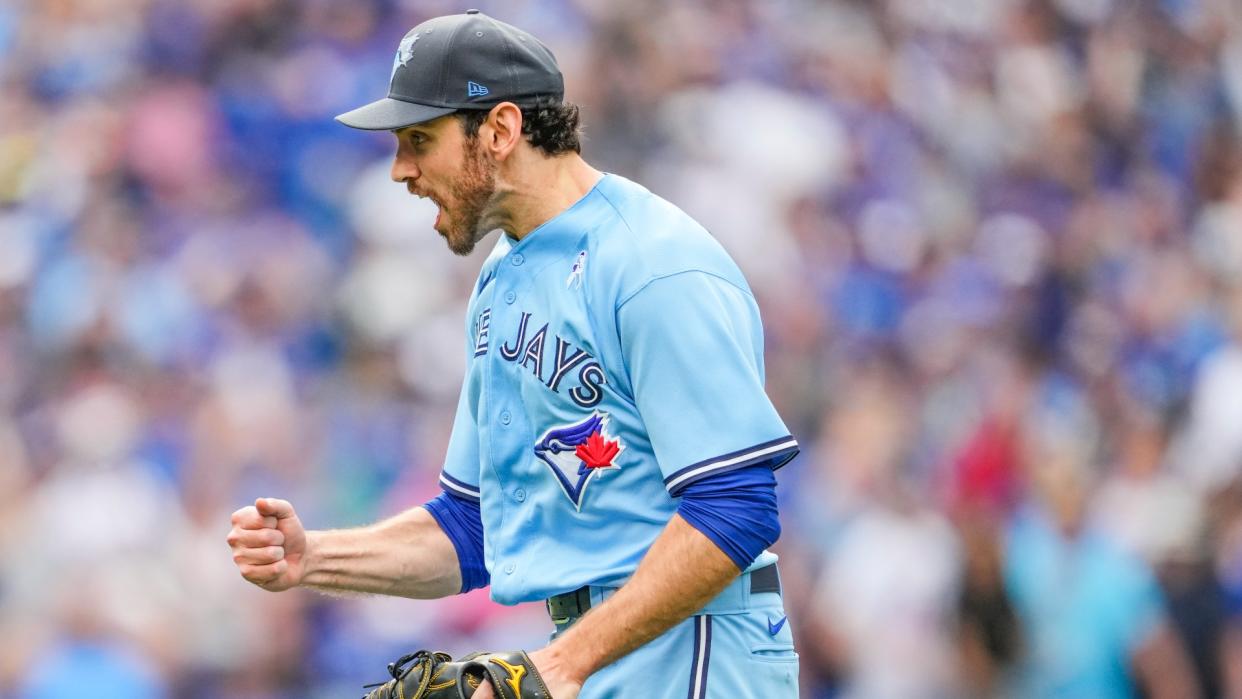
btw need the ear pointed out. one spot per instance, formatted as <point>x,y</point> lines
<point>501,133</point>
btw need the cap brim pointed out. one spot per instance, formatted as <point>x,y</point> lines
<point>388,114</point>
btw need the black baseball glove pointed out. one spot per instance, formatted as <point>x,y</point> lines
<point>435,675</point>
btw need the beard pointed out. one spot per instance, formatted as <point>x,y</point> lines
<point>471,194</point>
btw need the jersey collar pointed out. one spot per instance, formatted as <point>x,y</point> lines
<point>561,234</point>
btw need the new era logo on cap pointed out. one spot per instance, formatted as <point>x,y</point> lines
<point>474,89</point>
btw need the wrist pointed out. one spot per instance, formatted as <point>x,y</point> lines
<point>572,658</point>
<point>311,559</point>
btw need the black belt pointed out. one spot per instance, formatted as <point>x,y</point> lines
<point>567,607</point>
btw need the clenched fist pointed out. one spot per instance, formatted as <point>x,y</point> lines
<point>269,544</point>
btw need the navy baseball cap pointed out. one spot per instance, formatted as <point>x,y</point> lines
<point>455,62</point>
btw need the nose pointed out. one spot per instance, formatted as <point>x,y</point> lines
<point>404,167</point>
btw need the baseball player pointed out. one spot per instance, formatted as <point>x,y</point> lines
<point>613,449</point>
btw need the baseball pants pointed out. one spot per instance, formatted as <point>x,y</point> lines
<point>739,646</point>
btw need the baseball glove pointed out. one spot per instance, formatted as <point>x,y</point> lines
<point>434,675</point>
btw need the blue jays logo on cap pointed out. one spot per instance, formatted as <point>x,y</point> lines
<point>405,51</point>
<point>576,453</point>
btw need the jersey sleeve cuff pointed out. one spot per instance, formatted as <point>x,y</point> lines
<point>777,451</point>
<point>459,488</point>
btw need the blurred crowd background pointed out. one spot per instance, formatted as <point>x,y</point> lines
<point>997,245</point>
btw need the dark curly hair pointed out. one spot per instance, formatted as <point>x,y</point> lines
<point>551,127</point>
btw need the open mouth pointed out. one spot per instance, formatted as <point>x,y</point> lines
<point>440,209</point>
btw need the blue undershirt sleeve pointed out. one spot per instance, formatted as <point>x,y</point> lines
<point>736,510</point>
<point>462,521</point>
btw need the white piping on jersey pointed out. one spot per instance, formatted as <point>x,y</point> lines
<point>714,465</point>
<point>702,655</point>
<point>444,481</point>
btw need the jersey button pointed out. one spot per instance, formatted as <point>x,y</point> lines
<point>517,259</point>
<point>505,417</point>
<point>510,297</point>
<point>519,495</point>
<point>509,568</point>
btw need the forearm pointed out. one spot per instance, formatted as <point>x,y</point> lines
<point>1163,667</point>
<point>1230,650</point>
<point>405,556</point>
<point>680,574</point>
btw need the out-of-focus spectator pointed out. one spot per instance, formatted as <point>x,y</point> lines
<point>1094,618</point>
<point>1227,544</point>
<point>887,594</point>
<point>889,583</point>
<point>1211,453</point>
<point>989,638</point>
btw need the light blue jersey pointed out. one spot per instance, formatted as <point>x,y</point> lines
<point>615,356</point>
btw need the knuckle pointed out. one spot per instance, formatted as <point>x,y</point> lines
<point>256,573</point>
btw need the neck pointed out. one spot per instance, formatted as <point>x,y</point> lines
<point>537,188</point>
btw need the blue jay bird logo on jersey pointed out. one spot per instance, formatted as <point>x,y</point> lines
<point>575,275</point>
<point>576,453</point>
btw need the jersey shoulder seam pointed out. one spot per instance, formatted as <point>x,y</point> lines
<point>620,215</point>
<point>657,277</point>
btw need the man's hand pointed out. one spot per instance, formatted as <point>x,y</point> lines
<point>269,544</point>
<point>562,682</point>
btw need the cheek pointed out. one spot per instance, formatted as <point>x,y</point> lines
<point>442,176</point>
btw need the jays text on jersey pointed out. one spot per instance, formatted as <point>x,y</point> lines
<point>615,355</point>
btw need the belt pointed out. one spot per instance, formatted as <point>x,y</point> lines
<point>568,607</point>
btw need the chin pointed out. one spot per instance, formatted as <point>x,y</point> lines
<point>459,244</point>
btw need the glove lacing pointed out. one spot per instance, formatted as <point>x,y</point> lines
<point>424,660</point>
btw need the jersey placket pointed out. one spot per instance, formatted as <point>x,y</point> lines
<point>505,424</point>
<point>508,425</point>
<point>513,481</point>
